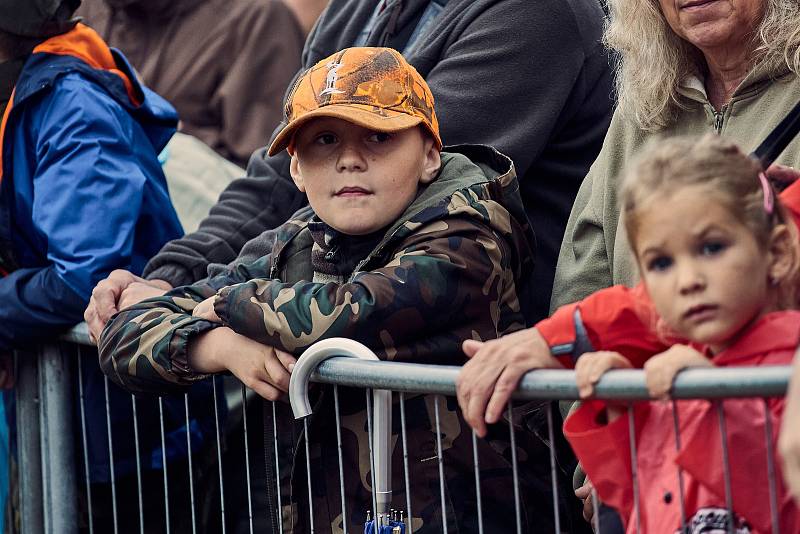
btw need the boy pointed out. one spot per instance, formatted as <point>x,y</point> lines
<point>404,248</point>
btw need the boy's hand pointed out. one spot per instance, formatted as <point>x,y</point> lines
<point>661,369</point>
<point>261,368</point>
<point>591,366</point>
<point>487,381</point>
<point>205,310</point>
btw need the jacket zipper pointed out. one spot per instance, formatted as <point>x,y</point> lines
<point>719,117</point>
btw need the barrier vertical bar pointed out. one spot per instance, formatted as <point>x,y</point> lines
<point>773,491</point>
<point>514,467</point>
<point>138,463</point>
<point>726,466</point>
<point>405,461</point>
<point>477,481</point>
<point>219,452</point>
<point>28,443</point>
<point>596,511</point>
<point>164,462</point>
<point>676,429</point>
<point>277,467</point>
<point>58,446</point>
<point>339,452</point>
<point>247,460</point>
<point>308,477</point>
<point>553,471</point>
<point>84,441</point>
<point>189,457</point>
<point>441,461</point>
<point>111,458</point>
<point>634,466</point>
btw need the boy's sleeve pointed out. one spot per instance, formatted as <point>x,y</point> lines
<point>448,273</point>
<point>144,348</point>
<point>616,318</point>
<point>790,197</point>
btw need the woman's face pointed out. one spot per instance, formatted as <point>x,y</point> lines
<point>714,26</point>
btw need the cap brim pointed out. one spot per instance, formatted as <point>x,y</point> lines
<point>361,115</point>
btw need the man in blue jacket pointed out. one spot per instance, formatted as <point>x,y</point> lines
<point>81,193</point>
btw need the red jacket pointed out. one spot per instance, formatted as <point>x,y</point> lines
<point>605,453</point>
<point>619,318</point>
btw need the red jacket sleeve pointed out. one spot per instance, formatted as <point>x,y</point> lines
<point>604,452</point>
<point>616,318</point>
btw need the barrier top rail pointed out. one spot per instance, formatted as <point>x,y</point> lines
<point>552,384</point>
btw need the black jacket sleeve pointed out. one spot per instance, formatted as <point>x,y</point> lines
<point>265,199</point>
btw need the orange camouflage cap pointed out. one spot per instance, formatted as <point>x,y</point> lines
<point>372,87</point>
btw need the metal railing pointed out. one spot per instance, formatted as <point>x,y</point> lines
<point>47,454</point>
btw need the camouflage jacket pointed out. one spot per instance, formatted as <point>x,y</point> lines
<point>456,265</point>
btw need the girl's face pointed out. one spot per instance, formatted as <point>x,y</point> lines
<point>706,273</point>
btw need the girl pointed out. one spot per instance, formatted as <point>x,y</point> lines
<point>718,257</point>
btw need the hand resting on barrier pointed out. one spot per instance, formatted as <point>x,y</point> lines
<point>120,290</point>
<point>262,368</point>
<point>488,379</point>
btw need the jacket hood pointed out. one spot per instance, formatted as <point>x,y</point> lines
<point>474,179</point>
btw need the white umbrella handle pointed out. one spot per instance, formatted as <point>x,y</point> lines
<point>382,406</point>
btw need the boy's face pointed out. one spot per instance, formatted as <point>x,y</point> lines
<point>359,180</point>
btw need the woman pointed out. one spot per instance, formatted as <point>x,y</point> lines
<point>685,67</point>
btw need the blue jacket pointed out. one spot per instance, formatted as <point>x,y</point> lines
<point>82,192</point>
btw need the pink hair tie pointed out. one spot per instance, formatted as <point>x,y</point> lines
<point>769,199</point>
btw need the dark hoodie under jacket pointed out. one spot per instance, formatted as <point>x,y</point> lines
<point>529,78</point>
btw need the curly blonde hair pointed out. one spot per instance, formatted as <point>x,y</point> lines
<point>654,60</point>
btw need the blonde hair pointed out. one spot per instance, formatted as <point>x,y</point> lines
<point>654,59</point>
<point>729,176</point>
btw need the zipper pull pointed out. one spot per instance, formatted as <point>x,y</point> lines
<point>333,254</point>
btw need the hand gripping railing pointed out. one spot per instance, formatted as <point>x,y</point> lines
<point>380,426</point>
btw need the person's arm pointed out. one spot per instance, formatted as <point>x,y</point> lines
<point>87,198</point>
<point>440,268</point>
<point>263,200</point>
<point>613,319</point>
<point>521,77</point>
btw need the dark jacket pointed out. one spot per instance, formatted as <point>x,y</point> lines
<point>223,64</point>
<point>462,245</point>
<point>529,78</point>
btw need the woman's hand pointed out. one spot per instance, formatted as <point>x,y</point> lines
<point>661,369</point>
<point>488,379</point>
<point>591,366</point>
<point>205,310</point>
<point>262,368</point>
<point>789,440</point>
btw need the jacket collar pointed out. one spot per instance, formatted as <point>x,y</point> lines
<point>776,331</point>
<point>693,85</point>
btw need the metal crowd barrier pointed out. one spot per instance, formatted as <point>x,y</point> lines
<point>49,444</point>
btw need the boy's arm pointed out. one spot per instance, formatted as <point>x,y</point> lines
<point>145,348</point>
<point>616,319</point>
<point>446,274</point>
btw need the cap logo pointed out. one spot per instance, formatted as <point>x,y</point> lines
<point>332,78</point>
